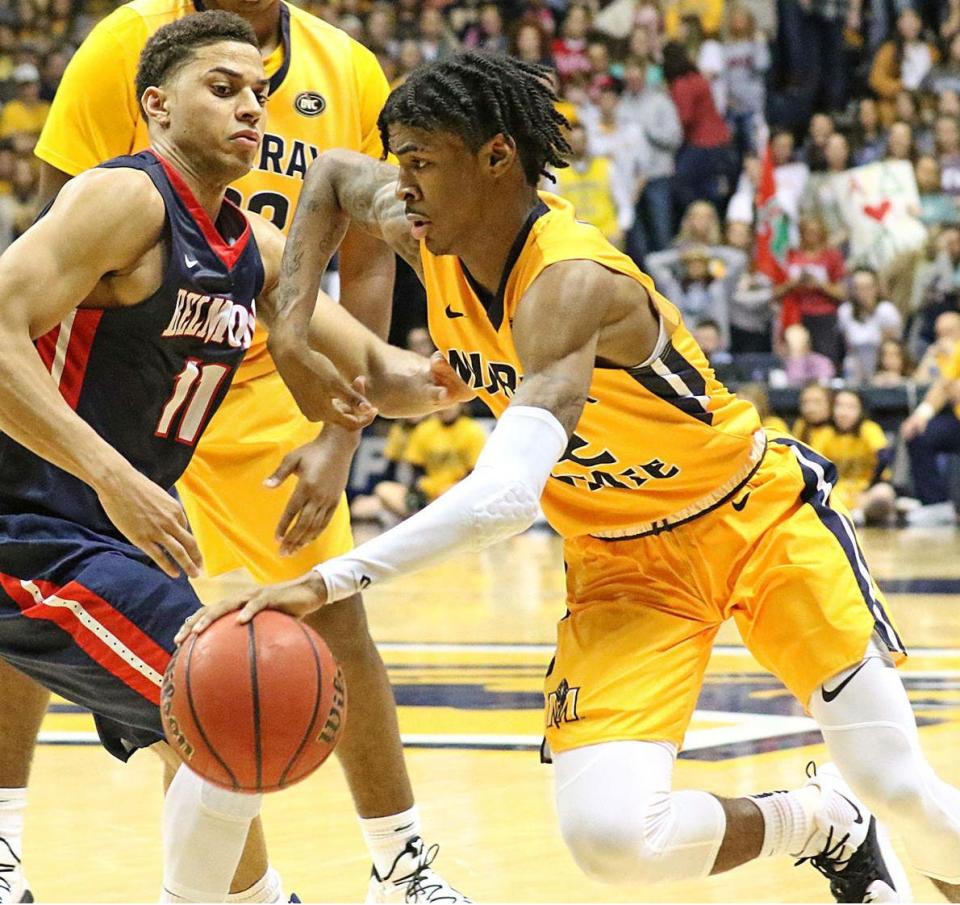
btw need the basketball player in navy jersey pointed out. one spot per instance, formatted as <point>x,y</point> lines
<point>126,310</point>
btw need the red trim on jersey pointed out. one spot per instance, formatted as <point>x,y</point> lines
<point>229,254</point>
<point>47,346</point>
<point>85,325</point>
<point>131,635</point>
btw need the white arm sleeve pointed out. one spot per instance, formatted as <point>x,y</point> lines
<point>498,499</point>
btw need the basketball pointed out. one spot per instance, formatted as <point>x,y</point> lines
<point>254,707</point>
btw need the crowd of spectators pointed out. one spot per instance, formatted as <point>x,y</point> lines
<point>717,142</point>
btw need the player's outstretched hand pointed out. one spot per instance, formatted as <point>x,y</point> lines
<point>298,598</point>
<point>451,388</point>
<point>321,392</point>
<point>322,468</point>
<point>153,520</point>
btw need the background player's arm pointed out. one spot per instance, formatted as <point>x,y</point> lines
<point>501,496</point>
<point>94,113</point>
<point>322,466</point>
<point>343,186</point>
<point>104,222</point>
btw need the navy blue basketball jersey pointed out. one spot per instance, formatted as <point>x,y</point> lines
<point>148,377</point>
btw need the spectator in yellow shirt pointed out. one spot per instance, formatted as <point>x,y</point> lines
<point>18,209</point>
<point>862,453</point>
<point>441,450</point>
<point>757,394</point>
<point>24,116</point>
<point>586,183</point>
<point>813,425</point>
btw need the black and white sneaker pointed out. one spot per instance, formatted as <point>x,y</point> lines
<point>13,884</point>
<point>412,880</point>
<point>849,847</point>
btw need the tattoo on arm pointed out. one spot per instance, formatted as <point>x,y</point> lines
<point>366,191</point>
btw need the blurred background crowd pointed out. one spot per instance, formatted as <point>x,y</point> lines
<point>788,172</point>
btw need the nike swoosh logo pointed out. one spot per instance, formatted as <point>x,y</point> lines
<point>828,695</point>
<point>449,312</point>
<point>190,262</point>
<point>739,504</point>
<point>849,802</point>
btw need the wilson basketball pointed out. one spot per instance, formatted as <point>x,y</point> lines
<point>254,707</point>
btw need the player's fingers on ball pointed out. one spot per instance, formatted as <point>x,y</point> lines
<point>187,627</point>
<point>253,606</point>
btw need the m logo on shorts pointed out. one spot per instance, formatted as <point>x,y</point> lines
<point>562,705</point>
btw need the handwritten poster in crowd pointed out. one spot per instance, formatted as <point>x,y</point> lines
<point>880,205</point>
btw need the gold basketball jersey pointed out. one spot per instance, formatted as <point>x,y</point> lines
<point>656,444</point>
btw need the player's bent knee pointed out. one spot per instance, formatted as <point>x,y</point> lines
<point>616,846</point>
<point>227,805</point>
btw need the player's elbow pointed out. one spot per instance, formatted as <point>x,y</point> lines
<point>508,508</point>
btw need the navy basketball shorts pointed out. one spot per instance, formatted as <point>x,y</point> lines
<point>93,619</point>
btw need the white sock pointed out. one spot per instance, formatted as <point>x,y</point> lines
<point>269,888</point>
<point>787,819</point>
<point>204,831</point>
<point>387,837</point>
<point>13,802</point>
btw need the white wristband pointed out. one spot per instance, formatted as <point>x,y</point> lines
<point>499,498</point>
<point>925,411</point>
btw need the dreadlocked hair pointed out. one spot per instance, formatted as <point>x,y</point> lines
<point>475,95</point>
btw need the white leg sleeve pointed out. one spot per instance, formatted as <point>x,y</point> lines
<point>622,823</point>
<point>204,831</point>
<point>871,735</point>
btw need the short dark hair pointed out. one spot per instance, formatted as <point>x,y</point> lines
<point>174,44</point>
<point>676,62</point>
<point>475,95</point>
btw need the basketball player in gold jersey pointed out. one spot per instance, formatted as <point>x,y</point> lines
<point>677,510</point>
<point>325,92</point>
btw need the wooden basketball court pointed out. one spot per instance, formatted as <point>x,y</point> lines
<point>467,644</point>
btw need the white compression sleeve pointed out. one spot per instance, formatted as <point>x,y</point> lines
<point>871,734</point>
<point>498,499</point>
<point>204,831</point>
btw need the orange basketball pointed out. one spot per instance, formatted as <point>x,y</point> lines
<point>254,707</point>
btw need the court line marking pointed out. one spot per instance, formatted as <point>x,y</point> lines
<point>734,650</point>
<point>745,727</point>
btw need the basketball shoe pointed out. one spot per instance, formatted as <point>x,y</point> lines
<point>849,847</point>
<point>13,884</point>
<point>412,879</point>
